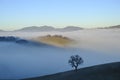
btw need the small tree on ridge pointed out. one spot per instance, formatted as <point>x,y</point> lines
<point>75,61</point>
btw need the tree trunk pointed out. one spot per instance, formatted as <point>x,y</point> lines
<point>75,68</point>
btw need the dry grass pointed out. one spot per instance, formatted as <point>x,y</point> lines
<point>110,71</point>
<point>56,40</point>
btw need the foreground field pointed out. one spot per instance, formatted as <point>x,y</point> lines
<point>109,71</point>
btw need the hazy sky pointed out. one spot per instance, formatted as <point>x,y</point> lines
<point>59,13</point>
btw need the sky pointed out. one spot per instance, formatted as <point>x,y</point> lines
<point>16,14</point>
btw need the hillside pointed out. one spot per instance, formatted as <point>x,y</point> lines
<point>109,71</point>
<point>55,40</point>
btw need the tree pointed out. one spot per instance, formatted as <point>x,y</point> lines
<point>75,61</point>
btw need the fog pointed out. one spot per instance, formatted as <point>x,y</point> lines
<point>19,61</point>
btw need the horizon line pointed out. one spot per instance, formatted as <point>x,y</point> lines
<point>58,27</point>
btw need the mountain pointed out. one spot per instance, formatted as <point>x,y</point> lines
<point>35,28</point>
<point>110,71</point>
<point>70,28</point>
<point>111,27</point>
<point>48,28</point>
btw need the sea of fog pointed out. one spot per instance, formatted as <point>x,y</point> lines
<point>19,61</point>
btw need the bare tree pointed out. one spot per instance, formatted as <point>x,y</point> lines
<point>75,61</point>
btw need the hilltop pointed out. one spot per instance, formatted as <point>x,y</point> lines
<point>55,40</point>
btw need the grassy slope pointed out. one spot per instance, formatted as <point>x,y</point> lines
<point>109,71</point>
<point>55,40</point>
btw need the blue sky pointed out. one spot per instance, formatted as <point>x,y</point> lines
<point>16,14</point>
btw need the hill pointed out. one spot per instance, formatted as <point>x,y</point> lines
<point>109,71</point>
<point>1,31</point>
<point>70,28</point>
<point>111,27</point>
<point>35,28</point>
<point>55,40</point>
<point>21,41</point>
<point>48,28</point>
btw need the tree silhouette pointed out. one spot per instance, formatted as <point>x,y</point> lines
<point>75,61</point>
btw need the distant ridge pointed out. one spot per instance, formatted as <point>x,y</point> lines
<point>70,28</point>
<point>111,27</point>
<point>1,31</point>
<point>36,28</point>
<point>48,28</point>
<point>51,28</point>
